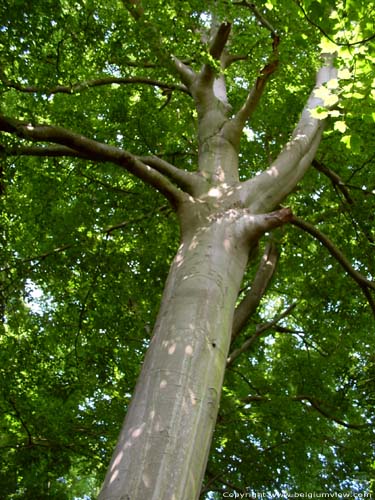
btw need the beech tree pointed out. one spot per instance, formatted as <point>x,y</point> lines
<point>231,142</point>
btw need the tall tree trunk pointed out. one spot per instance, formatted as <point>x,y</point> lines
<point>164,444</point>
<point>163,447</point>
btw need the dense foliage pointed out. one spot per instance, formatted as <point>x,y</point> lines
<point>86,246</point>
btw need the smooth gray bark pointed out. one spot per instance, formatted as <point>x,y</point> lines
<point>164,445</point>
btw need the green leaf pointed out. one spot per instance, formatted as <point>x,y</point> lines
<point>327,46</point>
<point>346,139</point>
<point>341,126</point>
<point>344,74</point>
<point>319,113</point>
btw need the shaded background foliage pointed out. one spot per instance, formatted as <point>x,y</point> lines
<point>85,247</point>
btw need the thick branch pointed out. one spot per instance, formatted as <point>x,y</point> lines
<point>135,8</point>
<point>96,82</point>
<point>187,74</point>
<point>254,95</point>
<point>247,307</point>
<point>259,330</point>
<point>185,180</point>
<point>182,178</point>
<point>281,177</point>
<point>218,42</point>
<point>256,225</point>
<point>94,150</point>
<point>362,282</point>
<point>257,90</point>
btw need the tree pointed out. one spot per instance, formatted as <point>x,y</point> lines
<point>123,122</point>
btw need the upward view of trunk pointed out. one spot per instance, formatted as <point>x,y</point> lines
<point>164,445</point>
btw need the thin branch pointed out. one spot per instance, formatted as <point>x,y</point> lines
<point>233,487</point>
<point>257,90</point>
<point>257,398</point>
<point>107,231</point>
<point>334,251</point>
<point>46,151</point>
<point>259,16</point>
<point>39,257</point>
<point>318,407</point>
<point>341,44</point>
<point>361,167</point>
<point>97,82</point>
<point>23,423</point>
<point>362,282</point>
<point>94,150</point>
<point>211,480</point>
<point>255,94</point>
<point>334,178</point>
<point>259,330</point>
<point>107,186</point>
<point>250,302</point>
<point>360,188</point>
